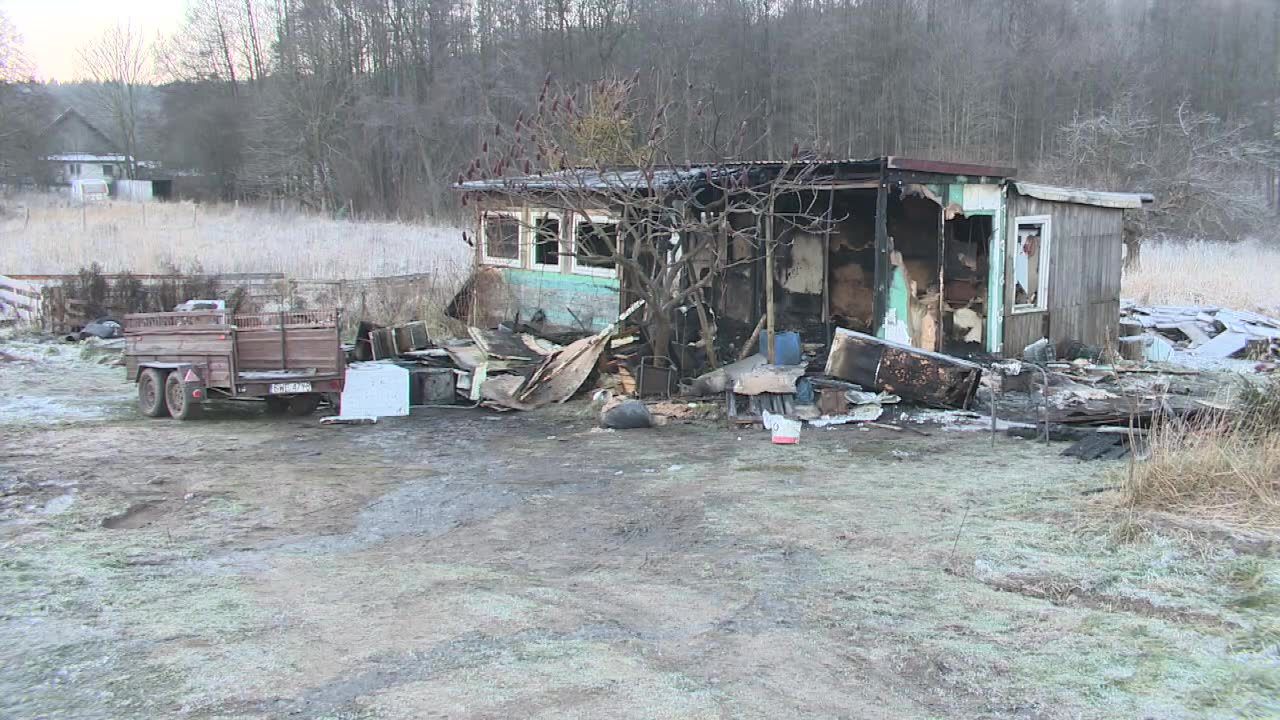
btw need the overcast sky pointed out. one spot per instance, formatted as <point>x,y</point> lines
<point>54,30</point>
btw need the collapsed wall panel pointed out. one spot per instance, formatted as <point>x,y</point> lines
<point>913,374</point>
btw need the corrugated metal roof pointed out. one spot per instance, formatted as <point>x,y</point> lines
<point>587,179</point>
<point>667,177</point>
<point>1083,197</point>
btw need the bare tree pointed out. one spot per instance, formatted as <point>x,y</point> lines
<point>24,110</point>
<point>673,227</point>
<point>1200,168</point>
<point>393,93</point>
<point>219,40</point>
<point>119,64</point>
<point>14,65</point>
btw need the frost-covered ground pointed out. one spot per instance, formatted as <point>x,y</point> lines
<point>465,564</point>
<point>44,381</point>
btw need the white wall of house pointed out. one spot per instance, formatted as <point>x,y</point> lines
<point>90,169</point>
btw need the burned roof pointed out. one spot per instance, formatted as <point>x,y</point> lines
<point>588,179</point>
<point>667,177</point>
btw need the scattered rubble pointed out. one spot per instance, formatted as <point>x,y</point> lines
<point>1199,337</point>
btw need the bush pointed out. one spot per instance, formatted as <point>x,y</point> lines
<point>1219,466</point>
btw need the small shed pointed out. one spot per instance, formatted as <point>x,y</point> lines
<point>1063,264</point>
<point>951,257</point>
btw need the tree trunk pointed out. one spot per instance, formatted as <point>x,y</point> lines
<point>659,331</point>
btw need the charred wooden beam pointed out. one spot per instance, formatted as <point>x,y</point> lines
<point>913,374</point>
<point>880,280</point>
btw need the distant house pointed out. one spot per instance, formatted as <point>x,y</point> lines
<point>80,151</point>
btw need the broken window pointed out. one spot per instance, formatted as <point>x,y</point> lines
<point>594,241</point>
<point>546,241</point>
<point>501,239</point>
<point>1031,263</point>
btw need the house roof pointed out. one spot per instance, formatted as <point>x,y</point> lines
<point>1083,197</point>
<point>71,115</point>
<point>87,158</point>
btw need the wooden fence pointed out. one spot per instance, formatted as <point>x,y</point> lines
<point>61,303</point>
<point>20,300</point>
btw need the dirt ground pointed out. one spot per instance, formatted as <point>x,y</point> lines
<point>463,564</point>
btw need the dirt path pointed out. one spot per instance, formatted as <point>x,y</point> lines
<point>467,565</point>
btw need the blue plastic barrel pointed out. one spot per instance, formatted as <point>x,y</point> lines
<point>786,346</point>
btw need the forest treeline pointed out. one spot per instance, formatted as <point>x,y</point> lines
<point>375,105</point>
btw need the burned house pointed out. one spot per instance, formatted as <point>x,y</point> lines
<point>947,257</point>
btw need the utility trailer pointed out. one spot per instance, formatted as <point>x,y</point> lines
<point>181,359</point>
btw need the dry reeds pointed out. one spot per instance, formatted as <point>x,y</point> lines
<point>48,234</point>
<point>1241,276</point>
<point>1223,467</point>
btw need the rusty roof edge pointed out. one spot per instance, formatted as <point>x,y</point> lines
<point>1081,196</point>
<point>893,162</point>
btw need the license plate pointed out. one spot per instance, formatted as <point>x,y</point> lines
<point>290,388</point>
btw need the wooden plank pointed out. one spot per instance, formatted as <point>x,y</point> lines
<point>162,345</point>
<point>1193,332</point>
<point>1225,345</point>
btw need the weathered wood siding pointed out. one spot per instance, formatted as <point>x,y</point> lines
<point>1084,276</point>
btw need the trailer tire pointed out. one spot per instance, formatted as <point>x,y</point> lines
<point>303,405</point>
<point>151,393</point>
<point>179,401</point>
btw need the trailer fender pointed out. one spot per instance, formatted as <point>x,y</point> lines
<point>191,375</point>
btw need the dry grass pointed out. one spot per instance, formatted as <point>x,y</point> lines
<point>1222,467</point>
<point>48,234</point>
<point>1240,276</point>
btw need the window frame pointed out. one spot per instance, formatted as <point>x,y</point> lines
<point>1042,272</point>
<point>531,228</point>
<point>585,218</point>
<point>485,257</point>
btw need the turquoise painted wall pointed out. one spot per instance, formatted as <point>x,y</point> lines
<point>593,299</point>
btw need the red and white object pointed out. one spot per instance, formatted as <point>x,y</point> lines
<point>785,430</point>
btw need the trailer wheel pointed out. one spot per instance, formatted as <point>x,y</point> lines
<point>151,393</point>
<point>179,401</point>
<point>302,405</point>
